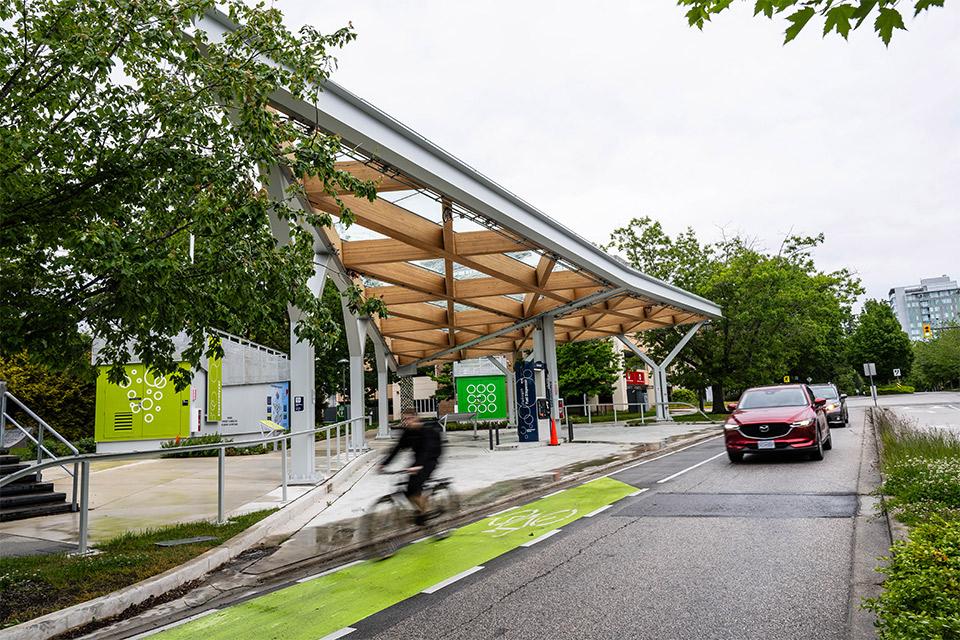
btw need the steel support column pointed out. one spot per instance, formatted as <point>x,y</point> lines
<point>549,338</point>
<point>356,330</point>
<point>383,370</point>
<point>511,389</point>
<point>303,387</point>
<point>660,370</point>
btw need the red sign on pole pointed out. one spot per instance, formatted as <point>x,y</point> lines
<point>636,377</point>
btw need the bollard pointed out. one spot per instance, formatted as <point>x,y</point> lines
<point>221,472</point>
<point>490,433</point>
<point>283,466</point>
<point>84,504</point>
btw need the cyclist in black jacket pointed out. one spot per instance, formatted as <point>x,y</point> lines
<point>424,440</point>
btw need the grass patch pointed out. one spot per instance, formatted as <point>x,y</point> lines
<point>37,585</point>
<point>921,596</point>
<point>253,450</point>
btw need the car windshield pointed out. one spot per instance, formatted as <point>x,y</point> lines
<point>825,391</point>
<point>763,398</point>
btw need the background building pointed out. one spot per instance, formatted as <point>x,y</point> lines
<point>934,302</point>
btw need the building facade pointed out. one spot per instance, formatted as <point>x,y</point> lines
<point>931,306</point>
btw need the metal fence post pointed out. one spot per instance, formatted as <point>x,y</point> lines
<point>84,504</point>
<point>283,466</point>
<point>589,415</point>
<point>329,462</point>
<point>338,444</point>
<point>221,472</point>
<point>614,412</point>
<point>76,470</point>
<point>3,406</point>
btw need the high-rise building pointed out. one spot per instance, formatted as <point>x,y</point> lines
<point>934,303</point>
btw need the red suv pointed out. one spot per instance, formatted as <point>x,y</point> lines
<point>778,418</point>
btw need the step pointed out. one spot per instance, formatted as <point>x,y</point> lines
<point>27,479</point>
<point>3,451</point>
<point>18,488</point>
<point>8,459</point>
<point>30,499</point>
<point>7,469</point>
<point>21,513</point>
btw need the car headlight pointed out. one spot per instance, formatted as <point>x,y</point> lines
<point>803,423</point>
<point>830,407</point>
<point>731,425</point>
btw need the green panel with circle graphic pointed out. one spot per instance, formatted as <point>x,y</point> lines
<point>145,407</point>
<point>487,395</point>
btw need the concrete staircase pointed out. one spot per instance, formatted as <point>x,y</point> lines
<point>27,497</point>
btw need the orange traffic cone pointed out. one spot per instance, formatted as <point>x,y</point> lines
<point>554,441</point>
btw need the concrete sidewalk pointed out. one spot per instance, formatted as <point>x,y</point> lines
<point>151,493</point>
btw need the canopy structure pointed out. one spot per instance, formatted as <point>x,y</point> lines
<point>466,268</point>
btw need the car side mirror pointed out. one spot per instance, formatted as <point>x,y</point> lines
<point>843,396</point>
<point>819,402</point>
<point>732,406</point>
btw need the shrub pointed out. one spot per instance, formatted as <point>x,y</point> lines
<point>891,389</point>
<point>679,394</point>
<point>921,596</point>
<point>209,453</point>
<point>64,399</point>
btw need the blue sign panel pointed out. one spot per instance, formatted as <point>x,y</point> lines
<point>278,404</point>
<point>527,401</point>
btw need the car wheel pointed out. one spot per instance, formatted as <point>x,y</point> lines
<point>829,443</point>
<point>817,454</point>
<point>736,457</point>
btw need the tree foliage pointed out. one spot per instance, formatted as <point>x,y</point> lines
<point>936,363</point>
<point>781,315</point>
<point>64,398</point>
<point>590,368</point>
<point>124,132</point>
<point>838,16</point>
<point>877,337</point>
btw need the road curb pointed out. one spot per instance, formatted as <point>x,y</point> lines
<point>898,531</point>
<point>291,517</point>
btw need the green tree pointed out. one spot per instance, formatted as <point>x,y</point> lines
<point>838,16</point>
<point>442,374</point>
<point>591,367</point>
<point>781,315</point>
<point>877,337</point>
<point>936,363</point>
<point>124,133</point>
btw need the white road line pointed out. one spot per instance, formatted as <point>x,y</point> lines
<point>172,625</point>
<point>541,538</point>
<point>642,462</point>
<point>449,581</point>
<point>680,473</point>
<point>553,494</point>
<point>338,634</point>
<point>502,511</point>
<point>636,493</point>
<point>596,511</point>
<point>329,571</point>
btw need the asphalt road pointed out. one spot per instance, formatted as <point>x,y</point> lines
<point>773,548</point>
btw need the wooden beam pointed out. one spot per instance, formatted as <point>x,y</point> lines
<point>357,253</point>
<point>384,181</point>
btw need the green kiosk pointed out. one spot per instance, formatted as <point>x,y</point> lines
<point>227,396</point>
<point>481,388</point>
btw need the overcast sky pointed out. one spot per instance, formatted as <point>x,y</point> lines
<point>597,112</point>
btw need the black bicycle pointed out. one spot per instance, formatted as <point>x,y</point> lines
<point>393,513</point>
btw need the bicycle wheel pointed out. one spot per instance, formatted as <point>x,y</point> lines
<point>445,501</point>
<point>380,526</point>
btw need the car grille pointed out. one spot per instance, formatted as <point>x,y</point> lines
<point>765,431</point>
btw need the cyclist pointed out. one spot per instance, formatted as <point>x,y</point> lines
<point>423,439</point>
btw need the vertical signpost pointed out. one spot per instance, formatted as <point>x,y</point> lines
<point>870,369</point>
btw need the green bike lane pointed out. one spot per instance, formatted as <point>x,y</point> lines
<point>328,604</point>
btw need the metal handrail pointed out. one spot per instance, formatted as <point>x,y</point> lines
<point>84,461</point>
<point>588,411</point>
<point>42,428</point>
